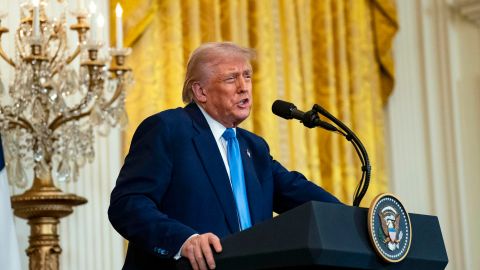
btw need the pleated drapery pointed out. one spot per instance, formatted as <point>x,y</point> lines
<point>336,53</point>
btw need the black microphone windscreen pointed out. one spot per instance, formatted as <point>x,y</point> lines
<point>283,109</point>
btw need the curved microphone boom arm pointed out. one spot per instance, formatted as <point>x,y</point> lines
<point>311,119</point>
<point>362,187</point>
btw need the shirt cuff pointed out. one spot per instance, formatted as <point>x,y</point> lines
<point>179,253</point>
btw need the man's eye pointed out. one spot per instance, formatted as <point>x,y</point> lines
<point>230,80</point>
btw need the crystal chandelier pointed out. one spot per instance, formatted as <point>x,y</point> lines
<point>57,97</point>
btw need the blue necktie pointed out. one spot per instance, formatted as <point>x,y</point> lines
<point>237,178</point>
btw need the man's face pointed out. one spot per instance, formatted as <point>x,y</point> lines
<point>228,91</point>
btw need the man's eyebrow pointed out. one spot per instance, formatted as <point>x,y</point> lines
<point>229,73</point>
<point>226,74</point>
<point>236,72</point>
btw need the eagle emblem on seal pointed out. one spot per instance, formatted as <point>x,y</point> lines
<point>390,220</point>
<point>389,228</point>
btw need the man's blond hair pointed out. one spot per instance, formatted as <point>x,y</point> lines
<point>204,57</point>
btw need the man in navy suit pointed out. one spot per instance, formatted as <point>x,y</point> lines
<point>192,176</point>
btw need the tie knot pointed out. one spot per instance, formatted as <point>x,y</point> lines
<point>228,134</point>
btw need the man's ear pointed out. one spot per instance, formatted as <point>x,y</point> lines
<point>199,92</point>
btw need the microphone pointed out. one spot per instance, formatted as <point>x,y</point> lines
<point>309,119</point>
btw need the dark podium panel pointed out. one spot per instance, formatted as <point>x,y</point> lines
<point>325,236</point>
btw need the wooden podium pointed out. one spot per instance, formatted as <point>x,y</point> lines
<point>325,236</point>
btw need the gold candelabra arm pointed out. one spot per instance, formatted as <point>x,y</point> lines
<point>62,119</point>
<point>94,66</point>
<point>73,55</point>
<point>60,48</point>
<point>3,54</point>
<point>59,121</point>
<point>118,91</point>
<point>60,66</point>
<point>16,121</point>
<point>21,122</point>
<point>82,28</point>
<point>118,69</point>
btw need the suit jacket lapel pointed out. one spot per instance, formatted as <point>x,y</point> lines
<point>254,189</point>
<point>212,161</point>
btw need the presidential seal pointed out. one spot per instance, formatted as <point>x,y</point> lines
<point>389,228</point>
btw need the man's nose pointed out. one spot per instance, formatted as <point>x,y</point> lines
<point>242,83</point>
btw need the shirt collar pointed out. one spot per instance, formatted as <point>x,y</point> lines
<point>215,126</point>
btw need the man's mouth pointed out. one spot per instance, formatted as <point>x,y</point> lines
<point>244,102</point>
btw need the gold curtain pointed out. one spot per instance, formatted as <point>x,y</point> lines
<point>336,53</point>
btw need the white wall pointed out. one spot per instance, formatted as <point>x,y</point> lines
<point>434,122</point>
<point>87,238</point>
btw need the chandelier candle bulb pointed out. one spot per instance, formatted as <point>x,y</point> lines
<point>119,27</point>
<point>100,24</point>
<point>80,5</point>
<point>36,18</point>
<point>93,25</point>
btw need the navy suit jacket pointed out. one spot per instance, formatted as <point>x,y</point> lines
<point>174,184</point>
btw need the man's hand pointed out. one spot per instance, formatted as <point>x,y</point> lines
<point>199,252</point>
